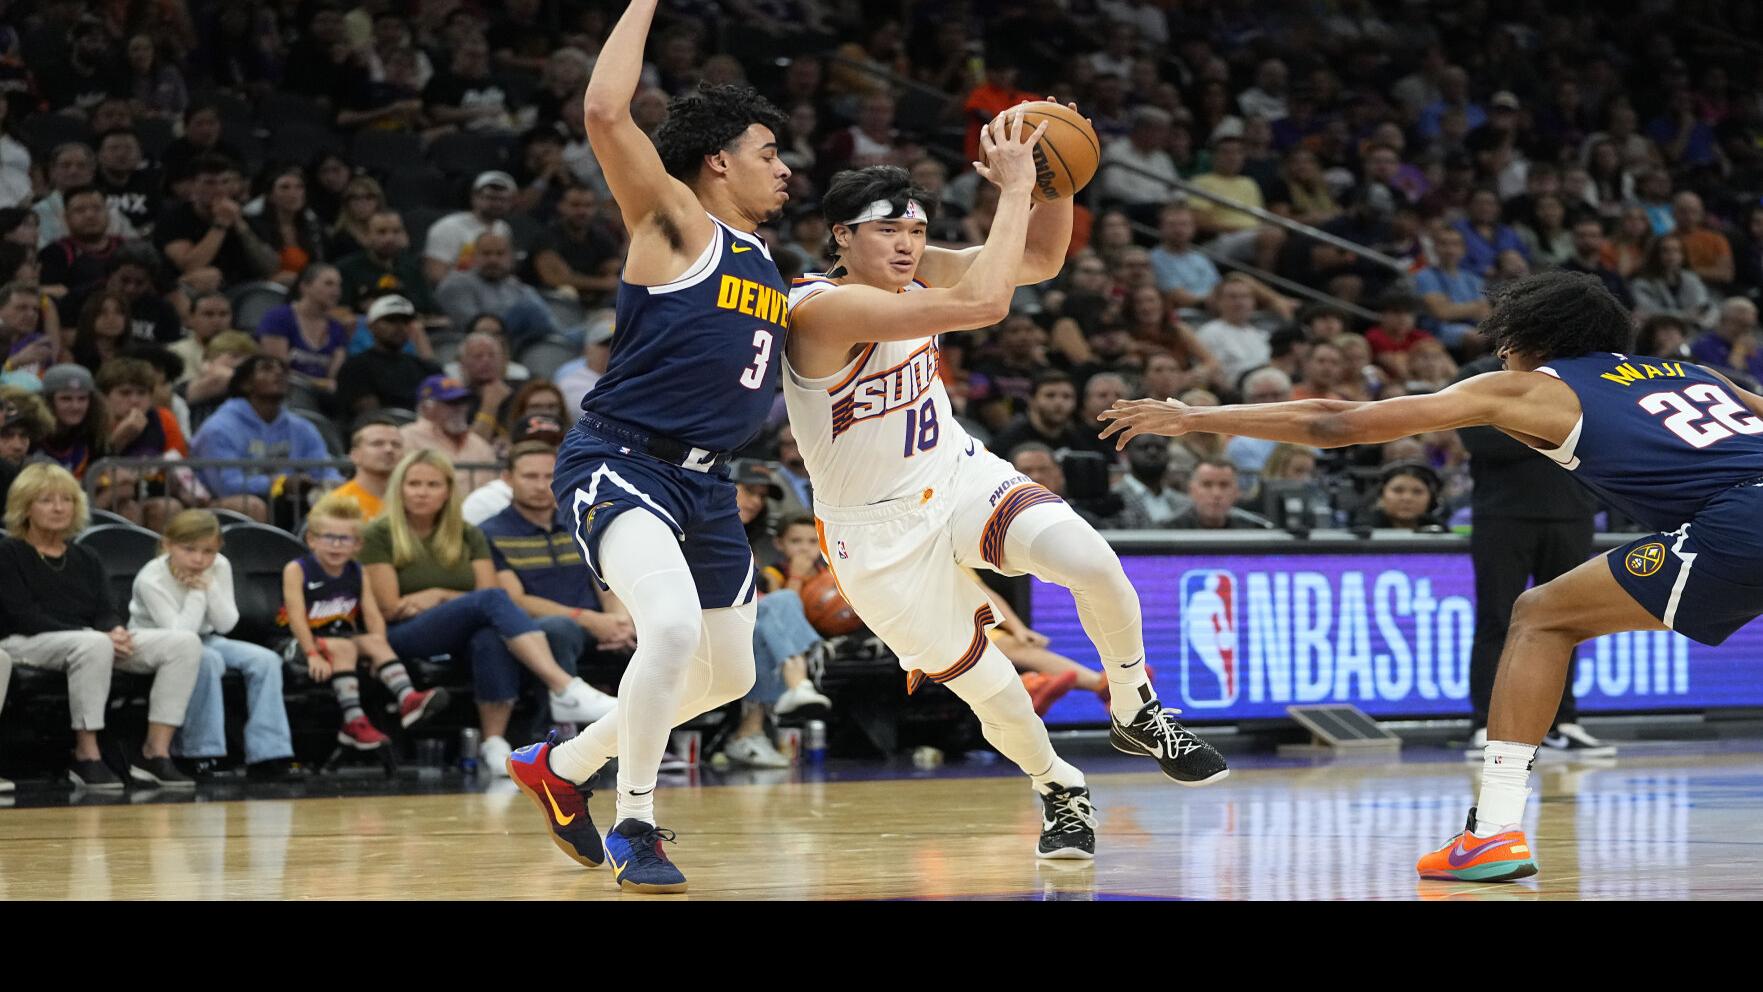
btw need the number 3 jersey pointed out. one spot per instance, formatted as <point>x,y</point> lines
<point>1656,438</point>
<point>879,428</point>
<point>696,359</point>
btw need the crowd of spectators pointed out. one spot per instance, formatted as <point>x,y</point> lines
<point>329,230</point>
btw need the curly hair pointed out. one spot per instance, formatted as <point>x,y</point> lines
<point>708,121</point>
<point>850,191</point>
<point>1557,315</point>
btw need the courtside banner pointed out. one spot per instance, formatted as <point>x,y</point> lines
<point>1237,636</point>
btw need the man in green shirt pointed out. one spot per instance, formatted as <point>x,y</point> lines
<point>386,265</point>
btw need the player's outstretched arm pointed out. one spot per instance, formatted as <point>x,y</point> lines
<point>1526,403</point>
<point>855,313</point>
<point>633,169</point>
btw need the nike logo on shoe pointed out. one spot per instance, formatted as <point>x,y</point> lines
<point>556,811</point>
<point>1459,856</point>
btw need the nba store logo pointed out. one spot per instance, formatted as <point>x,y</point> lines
<point>1209,658</point>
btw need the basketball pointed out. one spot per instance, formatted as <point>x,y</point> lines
<point>1066,158</point>
<point>826,608</point>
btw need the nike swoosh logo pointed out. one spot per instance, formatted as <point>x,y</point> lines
<point>644,792</point>
<point>742,248</point>
<point>314,585</point>
<point>562,821</point>
<point>1460,857</point>
<point>1140,661</point>
<point>617,869</point>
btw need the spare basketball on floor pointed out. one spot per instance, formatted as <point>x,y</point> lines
<point>825,606</point>
<point>1066,158</point>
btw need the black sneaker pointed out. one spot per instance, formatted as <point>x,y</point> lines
<point>201,769</point>
<point>1068,825</point>
<point>94,776</point>
<point>1572,740</point>
<point>275,770</point>
<point>158,772</point>
<point>1155,731</point>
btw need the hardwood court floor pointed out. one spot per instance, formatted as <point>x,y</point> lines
<point>1668,824</point>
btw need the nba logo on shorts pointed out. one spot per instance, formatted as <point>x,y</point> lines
<point>1209,639</point>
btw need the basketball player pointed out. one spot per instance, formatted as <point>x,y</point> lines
<point>904,498</point>
<point>701,314</point>
<point>1674,445</point>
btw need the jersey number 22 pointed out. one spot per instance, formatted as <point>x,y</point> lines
<point>1702,414</point>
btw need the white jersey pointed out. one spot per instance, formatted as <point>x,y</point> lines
<point>879,428</point>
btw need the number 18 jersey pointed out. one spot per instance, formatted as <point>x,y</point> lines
<point>1656,438</point>
<point>879,428</point>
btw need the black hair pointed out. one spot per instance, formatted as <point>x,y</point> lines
<point>211,165</point>
<point>1049,377</point>
<point>127,132</point>
<point>1397,298</point>
<point>160,357</point>
<point>850,191</point>
<point>241,379</point>
<point>1646,341</point>
<point>367,420</point>
<point>708,121</point>
<point>1286,339</point>
<point>1425,474</point>
<point>140,254</point>
<point>86,190</point>
<point>1557,315</point>
<point>12,217</point>
<point>1310,311</point>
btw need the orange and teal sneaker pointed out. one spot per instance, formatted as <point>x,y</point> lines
<point>564,803</point>
<point>1503,857</point>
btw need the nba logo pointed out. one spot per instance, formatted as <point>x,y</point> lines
<point>1209,639</point>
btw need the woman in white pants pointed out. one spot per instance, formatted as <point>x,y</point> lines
<point>56,614</point>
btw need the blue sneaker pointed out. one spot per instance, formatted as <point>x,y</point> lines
<point>638,862</point>
<point>563,803</point>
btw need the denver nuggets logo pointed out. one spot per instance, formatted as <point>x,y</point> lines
<point>1646,559</point>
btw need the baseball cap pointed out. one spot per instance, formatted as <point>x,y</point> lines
<point>1505,99</point>
<point>67,378</point>
<point>600,331</point>
<point>750,472</point>
<point>443,389</point>
<point>539,427</point>
<point>390,306</point>
<point>494,177</point>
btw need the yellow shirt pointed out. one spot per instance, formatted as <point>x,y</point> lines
<point>371,505</point>
<point>1242,189</point>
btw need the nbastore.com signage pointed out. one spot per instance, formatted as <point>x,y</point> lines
<point>1243,635</point>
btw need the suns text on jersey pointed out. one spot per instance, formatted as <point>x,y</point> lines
<point>880,393</point>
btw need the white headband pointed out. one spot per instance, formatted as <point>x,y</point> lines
<point>884,210</point>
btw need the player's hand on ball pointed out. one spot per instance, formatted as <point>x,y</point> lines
<point>1130,418</point>
<point>1007,152</point>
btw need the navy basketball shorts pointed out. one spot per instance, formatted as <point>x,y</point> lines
<point>597,481</point>
<point>1704,579</point>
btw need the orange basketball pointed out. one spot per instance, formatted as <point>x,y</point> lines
<point>1067,157</point>
<point>825,606</point>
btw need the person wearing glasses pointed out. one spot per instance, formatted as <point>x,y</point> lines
<point>335,621</point>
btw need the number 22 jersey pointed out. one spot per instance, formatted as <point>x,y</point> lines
<point>879,428</point>
<point>1656,438</point>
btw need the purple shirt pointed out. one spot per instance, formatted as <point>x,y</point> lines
<point>1712,349</point>
<point>280,322</point>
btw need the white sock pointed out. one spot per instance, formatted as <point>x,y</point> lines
<point>1125,699</point>
<point>635,802</point>
<point>1062,774</point>
<point>1505,784</point>
<point>582,756</point>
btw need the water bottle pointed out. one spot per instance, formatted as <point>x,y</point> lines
<point>469,744</point>
<point>814,741</point>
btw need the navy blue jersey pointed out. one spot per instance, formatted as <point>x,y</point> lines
<point>333,604</point>
<point>1656,439</point>
<point>697,359</point>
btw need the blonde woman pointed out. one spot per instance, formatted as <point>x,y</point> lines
<point>362,198</point>
<point>189,587</point>
<point>431,574</point>
<point>56,614</point>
